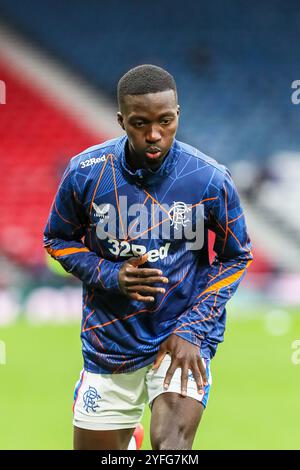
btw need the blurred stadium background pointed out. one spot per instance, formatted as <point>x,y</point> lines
<point>234,63</point>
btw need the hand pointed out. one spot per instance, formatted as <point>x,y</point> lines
<point>184,355</point>
<point>135,281</point>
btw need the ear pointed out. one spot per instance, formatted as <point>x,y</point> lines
<point>120,120</point>
<point>178,110</point>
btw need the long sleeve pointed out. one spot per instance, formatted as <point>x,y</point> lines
<point>233,250</point>
<point>65,229</point>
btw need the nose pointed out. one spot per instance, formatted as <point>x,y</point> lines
<point>153,135</point>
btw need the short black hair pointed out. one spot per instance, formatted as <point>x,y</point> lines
<point>145,79</point>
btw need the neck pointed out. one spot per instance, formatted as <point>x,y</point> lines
<point>135,164</point>
<point>130,157</point>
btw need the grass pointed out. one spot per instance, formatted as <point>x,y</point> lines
<point>254,399</point>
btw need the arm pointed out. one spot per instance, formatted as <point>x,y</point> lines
<point>63,240</point>
<point>233,250</point>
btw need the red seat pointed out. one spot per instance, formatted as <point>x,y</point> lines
<point>37,139</point>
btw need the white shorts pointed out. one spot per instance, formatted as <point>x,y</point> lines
<point>117,401</point>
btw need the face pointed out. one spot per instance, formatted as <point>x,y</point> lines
<point>150,122</point>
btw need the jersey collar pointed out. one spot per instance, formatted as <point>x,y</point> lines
<point>143,176</point>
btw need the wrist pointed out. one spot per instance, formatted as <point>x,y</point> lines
<point>111,281</point>
<point>190,336</point>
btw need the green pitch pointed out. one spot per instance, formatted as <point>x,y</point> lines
<point>254,402</point>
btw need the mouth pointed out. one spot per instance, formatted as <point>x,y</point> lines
<point>153,153</point>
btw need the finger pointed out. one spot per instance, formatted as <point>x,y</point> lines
<point>202,371</point>
<point>137,261</point>
<point>184,380</point>
<point>142,272</point>
<point>197,377</point>
<point>146,289</point>
<point>170,373</point>
<point>145,281</point>
<point>140,298</point>
<point>159,358</point>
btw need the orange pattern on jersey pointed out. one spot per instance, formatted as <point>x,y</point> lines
<point>65,251</point>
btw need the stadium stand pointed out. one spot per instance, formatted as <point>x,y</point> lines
<point>236,92</point>
<point>279,197</point>
<point>37,138</point>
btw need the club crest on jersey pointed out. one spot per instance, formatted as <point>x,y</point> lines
<point>129,222</point>
<point>90,398</point>
<point>177,214</point>
<point>102,213</point>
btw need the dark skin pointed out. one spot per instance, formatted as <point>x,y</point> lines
<point>150,122</point>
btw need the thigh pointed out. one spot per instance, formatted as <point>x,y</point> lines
<point>175,418</point>
<point>85,439</point>
<point>155,381</point>
<point>174,421</point>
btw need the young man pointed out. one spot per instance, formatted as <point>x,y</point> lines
<point>131,220</point>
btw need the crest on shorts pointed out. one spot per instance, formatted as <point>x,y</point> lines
<point>90,398</point>
<point>177,214</point>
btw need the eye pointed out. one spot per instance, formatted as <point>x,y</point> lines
<point>166,121</point>
<point>138,124</point>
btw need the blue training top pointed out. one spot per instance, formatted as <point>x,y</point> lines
<point>187,196</point>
